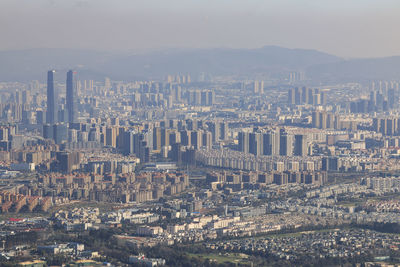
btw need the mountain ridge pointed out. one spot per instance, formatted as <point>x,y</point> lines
<point>32,64</point>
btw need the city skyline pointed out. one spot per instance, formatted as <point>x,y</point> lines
<point>190,133</point>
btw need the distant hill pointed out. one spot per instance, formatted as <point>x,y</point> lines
<point>26,65</point>
<point>387,68</point>
<point>32,64</point>
<point>217,61</point>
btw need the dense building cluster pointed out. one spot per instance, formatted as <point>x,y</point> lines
<point>180,160</point>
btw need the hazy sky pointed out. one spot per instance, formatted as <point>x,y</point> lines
<point>349,28</point>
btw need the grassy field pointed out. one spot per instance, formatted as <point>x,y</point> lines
<point>295,234</point>
<point>224,257</point>
<point>352,203</point>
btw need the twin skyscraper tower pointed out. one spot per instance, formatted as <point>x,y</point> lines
<point>71,96</point>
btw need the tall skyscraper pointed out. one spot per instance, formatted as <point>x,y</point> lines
<point>71,96</point>
<point>51,115</point>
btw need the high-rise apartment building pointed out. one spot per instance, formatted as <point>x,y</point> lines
<point>300,145</point>
<point>286,144</point>
<point>256,143</point>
